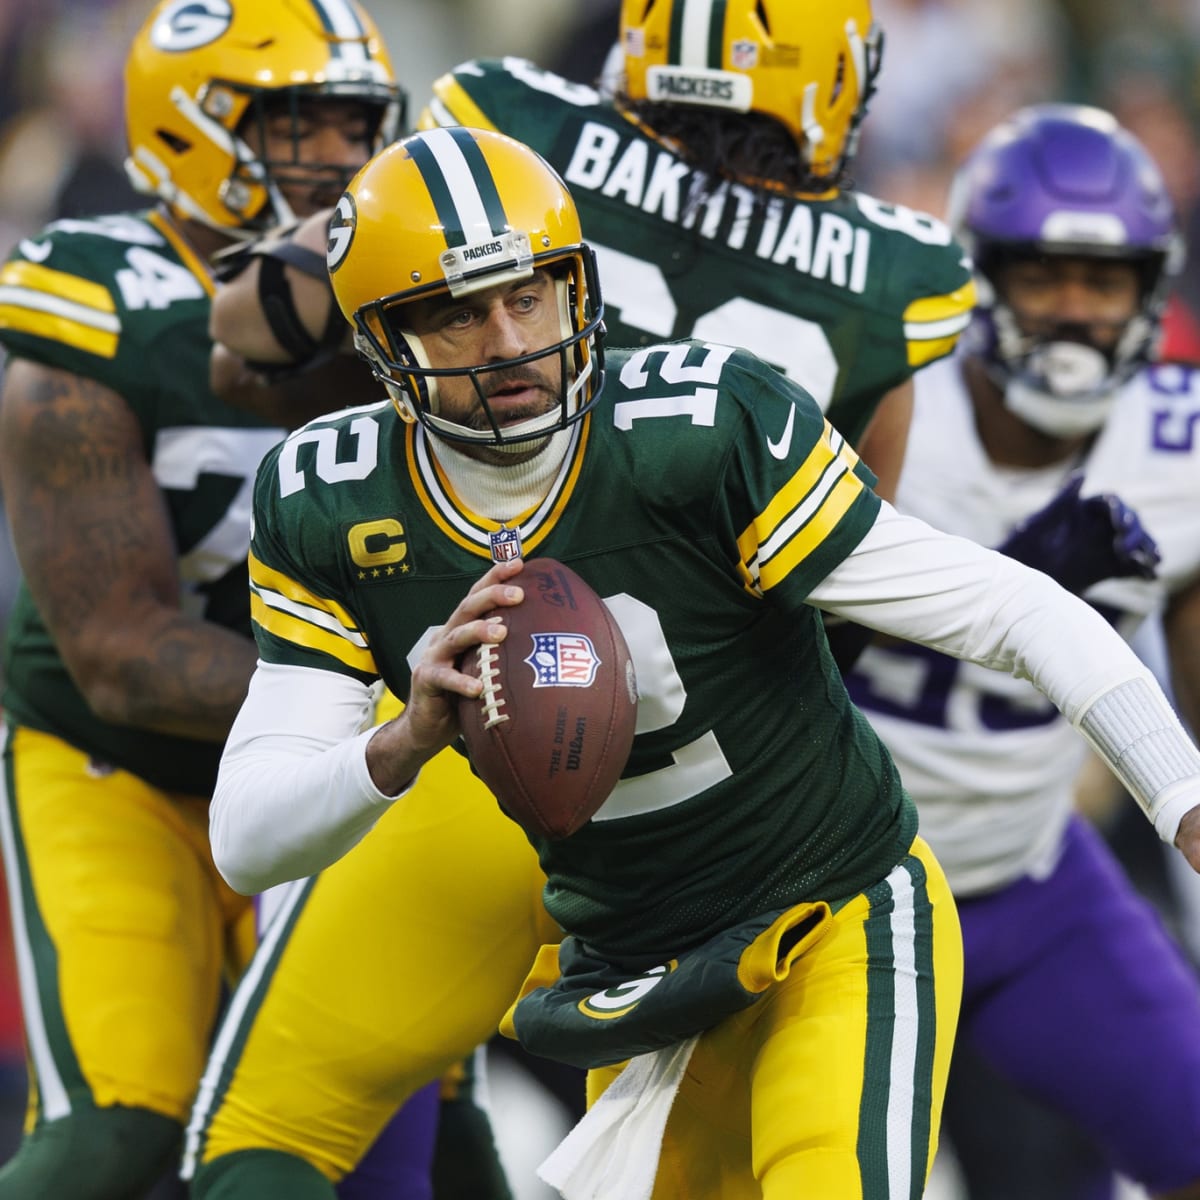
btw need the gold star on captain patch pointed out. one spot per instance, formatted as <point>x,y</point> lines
<point>391,570</point>
<point>375,573</point>
<point>362,575</point>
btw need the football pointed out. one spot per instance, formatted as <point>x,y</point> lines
<point>553,728</point>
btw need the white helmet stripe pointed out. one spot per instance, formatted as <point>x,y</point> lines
<point>696,31</point>
<point>473,217</point>
<point>341,19</point>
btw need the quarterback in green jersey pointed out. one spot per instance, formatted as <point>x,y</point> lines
<point>754,882</point>
<point>127,483</point>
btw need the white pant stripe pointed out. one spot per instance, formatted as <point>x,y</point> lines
<point>904,1038</point>
<point>286,897</point>
<point>55,1101</point>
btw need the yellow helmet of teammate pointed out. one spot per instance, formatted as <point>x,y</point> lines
<point>810,64</point>
<point>450,212</point>
<point>200,71</point>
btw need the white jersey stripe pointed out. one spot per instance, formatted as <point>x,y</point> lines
<point>35,301</point>
<point>786,530</point>
<point>56,1103</point>
<point>918,331</point>
<point>306,612</point>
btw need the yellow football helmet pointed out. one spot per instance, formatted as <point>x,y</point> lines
<point>810,64</point>
<point>200,70</point>
<point>451,212</point>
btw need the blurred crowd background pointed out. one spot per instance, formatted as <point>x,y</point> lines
<point>951,69</point>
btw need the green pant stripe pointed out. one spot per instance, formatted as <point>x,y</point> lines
<point>55,1065</point>
<point>877,1065</point>
<point>926,1023</point>
<point>239,1020</point>
<point>897,1100</point>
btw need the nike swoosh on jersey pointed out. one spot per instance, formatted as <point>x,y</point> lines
<point>37,251</point>
<point>780,448</point>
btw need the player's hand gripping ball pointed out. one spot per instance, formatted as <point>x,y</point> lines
<point>553,728</point>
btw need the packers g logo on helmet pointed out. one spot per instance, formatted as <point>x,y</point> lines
<point>190,24</point>
<point>341,232</point>
<point>200,72</point>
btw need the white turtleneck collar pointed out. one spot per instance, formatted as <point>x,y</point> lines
<point>497,491</point>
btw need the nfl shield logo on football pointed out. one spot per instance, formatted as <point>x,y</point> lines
<point>743,55</point>
<point>563,660</point>
<point>505,544</point>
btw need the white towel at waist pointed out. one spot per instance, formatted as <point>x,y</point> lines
<point>612,1153</point>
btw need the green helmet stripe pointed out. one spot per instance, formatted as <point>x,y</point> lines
<point>344,30</point>
<point>484,181</point>
<point>460,183</point>
<point>439,191</point>
<point>675,38</point>
<point>716,35</point>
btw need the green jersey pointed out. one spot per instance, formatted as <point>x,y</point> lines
<point>703,498</point>
<point>846,295</point>
<point>124,301</point>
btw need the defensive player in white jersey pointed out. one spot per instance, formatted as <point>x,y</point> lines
<point>1050,437</point>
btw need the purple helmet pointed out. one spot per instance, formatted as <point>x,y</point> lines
<point>1060,179</point>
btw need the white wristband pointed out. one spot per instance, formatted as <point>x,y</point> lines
<point>1135,730</point>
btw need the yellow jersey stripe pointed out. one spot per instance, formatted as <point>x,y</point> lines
<point>77,292</point>
<point>453,105</point>
<point>786,500</point>
<point>921,353</point>
<point>845,451</point>
<point>300,633</point>
<point>932,310</point>
<point>932,324</point>
<point>814,532</point>
<point>310,615</point>
<point>58,307</point>
<point>268,579</point>
<point>25,314</point>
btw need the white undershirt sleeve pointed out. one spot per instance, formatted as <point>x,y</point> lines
<point>293,792</point>
<point>911,581</point>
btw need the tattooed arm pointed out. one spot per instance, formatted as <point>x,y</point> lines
<point>92,534</point>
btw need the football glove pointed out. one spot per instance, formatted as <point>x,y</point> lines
<point>1080,540</point>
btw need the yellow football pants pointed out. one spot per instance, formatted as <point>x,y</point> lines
<point>375,978</point>
<point>830,1086</point>
<point>122,928</point>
